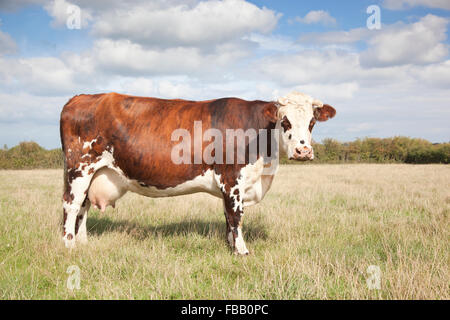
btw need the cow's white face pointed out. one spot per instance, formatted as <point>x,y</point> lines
<point>297,114</point>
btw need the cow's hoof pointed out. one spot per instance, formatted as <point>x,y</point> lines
<point>69,241</point>
<point>82,239</point>
<point>241,253</point>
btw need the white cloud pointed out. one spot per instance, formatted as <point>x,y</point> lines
<point>435,75</point>
<point>405,4</point>
<point>310,66</point>
<point>127,58</point>
<point>50,76</point>
<point>205,24</point>
<point>168,89</point>
<point>341,73</point>
<point>107,5</point>
<point>422,42</point>
<point>40,76</point>
<point>43,109</point>
<point>59,11</point>
<point>318,16</point>
<point>416,43</point>
<point>7,44</point>
<point>273,42</point>
<point>138,86</point>
<point>336,37</point>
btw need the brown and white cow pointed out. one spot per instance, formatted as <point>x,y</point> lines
<point>116,143</point>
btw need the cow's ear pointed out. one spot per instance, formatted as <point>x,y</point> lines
<point>324,113</point>
<point>271,112</point>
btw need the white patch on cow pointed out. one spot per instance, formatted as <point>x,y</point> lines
<point>220,185</point>
<point>89,144</point>
<point>237,198</point>
<point>202,183</point>
<point>252,183</point>
<point>239,244</point>
<point>78,187</point>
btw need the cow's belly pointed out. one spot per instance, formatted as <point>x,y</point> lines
<point>108,185</point>
<point>202,183</point>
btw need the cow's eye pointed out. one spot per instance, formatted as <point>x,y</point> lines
<point>290,136</point>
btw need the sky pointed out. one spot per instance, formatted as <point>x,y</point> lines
<point>386,81</point>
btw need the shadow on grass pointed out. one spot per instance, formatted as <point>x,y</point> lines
<point>254,230</point>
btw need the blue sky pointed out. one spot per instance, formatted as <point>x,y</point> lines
<point>386,82</point>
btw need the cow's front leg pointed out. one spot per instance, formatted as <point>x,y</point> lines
<point>233,213</point>
<point>74,208</point>
<point>80,224</point>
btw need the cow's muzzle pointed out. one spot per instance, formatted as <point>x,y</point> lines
<point>303,153</point>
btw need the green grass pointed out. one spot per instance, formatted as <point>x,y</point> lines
<point>312,237</point>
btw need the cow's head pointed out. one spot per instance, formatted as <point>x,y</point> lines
<point>297,115</point>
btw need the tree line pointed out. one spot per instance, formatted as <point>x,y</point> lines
<point>30,155</point>
<point>382,150</point>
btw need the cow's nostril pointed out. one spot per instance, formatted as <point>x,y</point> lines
<point>302,141</point>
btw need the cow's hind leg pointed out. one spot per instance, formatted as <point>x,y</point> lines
<point>233,213</point>
<point>74,197</point>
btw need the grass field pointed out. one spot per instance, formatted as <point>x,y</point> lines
<point>314,236</point>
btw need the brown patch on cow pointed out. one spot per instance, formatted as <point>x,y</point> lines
<point>69,236</point>
<point>127,102</point>
<point>73,174</point>
<point>68,197</point>
<point>311,124</point>
<point>271,112</point>
<point>286,124</point>
<point>77,223</point>
<point>64,222</point>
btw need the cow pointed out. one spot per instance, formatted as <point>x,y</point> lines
<point>114,143</point>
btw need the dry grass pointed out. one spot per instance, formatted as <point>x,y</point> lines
<point>313,236</point>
